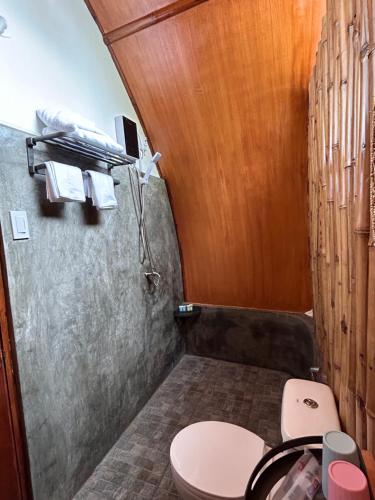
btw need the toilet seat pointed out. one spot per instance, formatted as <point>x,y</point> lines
<point>214,460</point>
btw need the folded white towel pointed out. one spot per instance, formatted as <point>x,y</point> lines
<point>100,187</point>
<point>65,120</point>
<point>99,140</point>
<point>64,183</point>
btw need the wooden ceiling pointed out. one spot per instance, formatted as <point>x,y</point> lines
<point>221,88</point>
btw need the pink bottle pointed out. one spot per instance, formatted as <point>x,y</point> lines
<point>346,482</point>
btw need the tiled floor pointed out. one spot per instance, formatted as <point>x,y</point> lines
<point>197,389</point>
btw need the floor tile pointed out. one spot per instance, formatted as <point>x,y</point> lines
<point>167,483</point>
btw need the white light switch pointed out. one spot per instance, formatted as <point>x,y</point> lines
<point>20,226</point>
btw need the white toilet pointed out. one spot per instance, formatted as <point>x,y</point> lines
<point>214,460</point>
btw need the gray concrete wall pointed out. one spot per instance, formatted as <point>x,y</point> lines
<point>92,342</point>
<point>275,340</point>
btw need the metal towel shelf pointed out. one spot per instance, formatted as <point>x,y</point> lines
<point>63,140</point>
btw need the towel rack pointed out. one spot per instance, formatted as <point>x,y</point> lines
<point>63,140</point>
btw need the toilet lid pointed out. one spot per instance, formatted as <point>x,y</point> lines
<point>216,458</point>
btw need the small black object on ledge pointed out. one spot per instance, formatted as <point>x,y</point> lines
<point>188,314</point>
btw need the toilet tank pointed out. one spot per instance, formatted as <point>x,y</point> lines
<point>308,409</point>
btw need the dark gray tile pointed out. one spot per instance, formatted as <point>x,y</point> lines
<point>86,494</point>
<point>134,488</point>
<point>165,495</point>
<point>105,485</point>
<point>120,469</point>
<point>141,456</point>
<point>167,483</point>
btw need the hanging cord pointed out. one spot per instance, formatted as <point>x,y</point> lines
<point>138,195</point>
<point>137,202</point>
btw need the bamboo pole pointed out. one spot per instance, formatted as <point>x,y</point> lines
<point>341,273</point>
<point>370,340</point>
<point>334,64</point>
<point>331,93</point>
<point>345,226</point>
<point>360,232</point>
<point>370,346</point>
<point>333,180</point>
<point>316,210</point>
<point>322,194</point>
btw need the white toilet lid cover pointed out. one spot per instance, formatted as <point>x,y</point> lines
<point>216,458</point>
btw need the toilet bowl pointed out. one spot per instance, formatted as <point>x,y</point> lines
<point>214,460</point>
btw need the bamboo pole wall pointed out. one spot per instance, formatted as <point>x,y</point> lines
<point>342,209</point>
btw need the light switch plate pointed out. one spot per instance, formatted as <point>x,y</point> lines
<point>20,226</point>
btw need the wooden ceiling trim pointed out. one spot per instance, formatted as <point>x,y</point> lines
<point>150,19</point>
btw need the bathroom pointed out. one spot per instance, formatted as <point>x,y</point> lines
<point>196,290</point>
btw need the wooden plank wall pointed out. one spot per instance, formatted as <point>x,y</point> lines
<point>341,172</point>
<point>221,87</point>
<point>15,482</point>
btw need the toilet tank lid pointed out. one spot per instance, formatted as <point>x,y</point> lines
<point>308,409</point>
<point>216,458</point>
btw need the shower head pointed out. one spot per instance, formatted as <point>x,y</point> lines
<point>154,160</point>
<point>156,157</point>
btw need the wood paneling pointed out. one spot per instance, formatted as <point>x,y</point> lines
<point>9,485</point>
<point>14,477</point>
<point>222,91</point>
